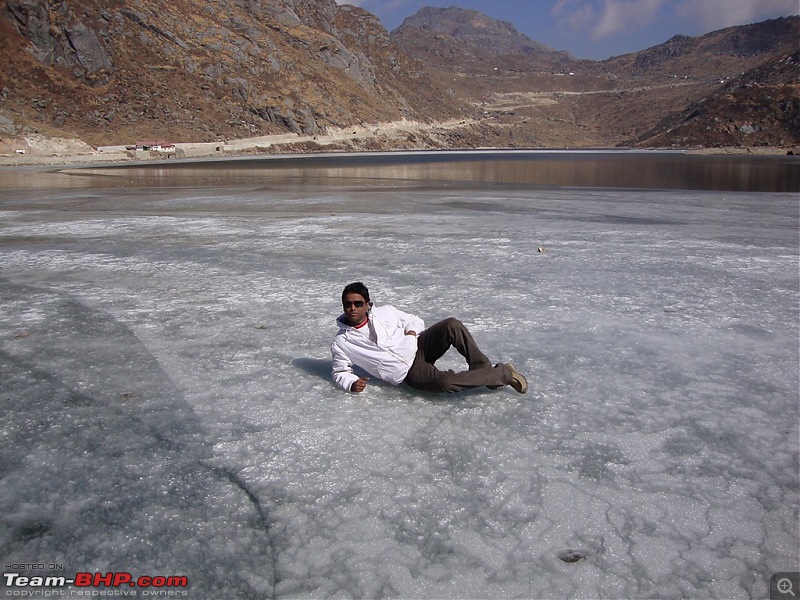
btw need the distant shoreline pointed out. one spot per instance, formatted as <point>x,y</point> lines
<point>390,137</point>
<point>116,159</point>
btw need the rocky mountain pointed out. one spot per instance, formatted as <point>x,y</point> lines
<point>469,41</point>
<point>113,72</point>
<point>535,96</point>
<point>733,50</point>
<point>760,108</point>
<point>109,72</point>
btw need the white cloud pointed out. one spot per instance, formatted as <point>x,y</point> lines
<point>606,18</point>
<point>620,16</point>
<point>717,14</point>
<point>574,15</point>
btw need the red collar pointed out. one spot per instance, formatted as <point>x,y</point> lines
<point>362,324</point>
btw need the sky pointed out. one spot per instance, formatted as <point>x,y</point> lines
<point>599,29</point>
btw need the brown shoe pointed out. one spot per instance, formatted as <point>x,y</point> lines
<point>518,382</point>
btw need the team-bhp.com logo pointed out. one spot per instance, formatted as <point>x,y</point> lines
<point>155,585</point>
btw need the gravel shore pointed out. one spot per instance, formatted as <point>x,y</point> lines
<point>39,150</point>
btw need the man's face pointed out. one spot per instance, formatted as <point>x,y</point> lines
<point>355,308</point>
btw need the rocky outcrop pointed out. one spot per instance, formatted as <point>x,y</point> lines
<point>58,37</point>
<point>300,120</point>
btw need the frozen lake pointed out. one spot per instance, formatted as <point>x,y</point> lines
<point>167,408</point>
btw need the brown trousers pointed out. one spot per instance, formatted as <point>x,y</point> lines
<point>434,342</point>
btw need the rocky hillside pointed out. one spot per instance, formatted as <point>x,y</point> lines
<point>759,108</point>
<point>536,96</point>
<point>469,41</point>
<point>719,54</point>
<point>113,72</point>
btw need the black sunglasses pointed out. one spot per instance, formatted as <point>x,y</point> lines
<point>356,303</point>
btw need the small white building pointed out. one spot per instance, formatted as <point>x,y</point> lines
<point>156,146</point>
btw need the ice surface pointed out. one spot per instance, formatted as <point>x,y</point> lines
<point>167,407</point>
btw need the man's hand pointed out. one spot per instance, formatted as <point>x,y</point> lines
<point>360,385</point>
<point>414,333</point>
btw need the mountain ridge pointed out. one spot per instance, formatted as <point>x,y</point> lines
<point>633,99</point>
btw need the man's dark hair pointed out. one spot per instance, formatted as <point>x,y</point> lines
<point>356,288</point>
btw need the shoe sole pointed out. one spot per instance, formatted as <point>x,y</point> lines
<point>519,383</point>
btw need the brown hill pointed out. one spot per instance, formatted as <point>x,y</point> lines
<point>469,41</point>
<point>720,54</point>
<point>109,72</point>
<point>759,108</point>
<point>535,96</point>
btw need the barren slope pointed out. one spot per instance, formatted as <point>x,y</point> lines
<point>201,71</point>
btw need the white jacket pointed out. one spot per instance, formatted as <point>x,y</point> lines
<point>388,359</point>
